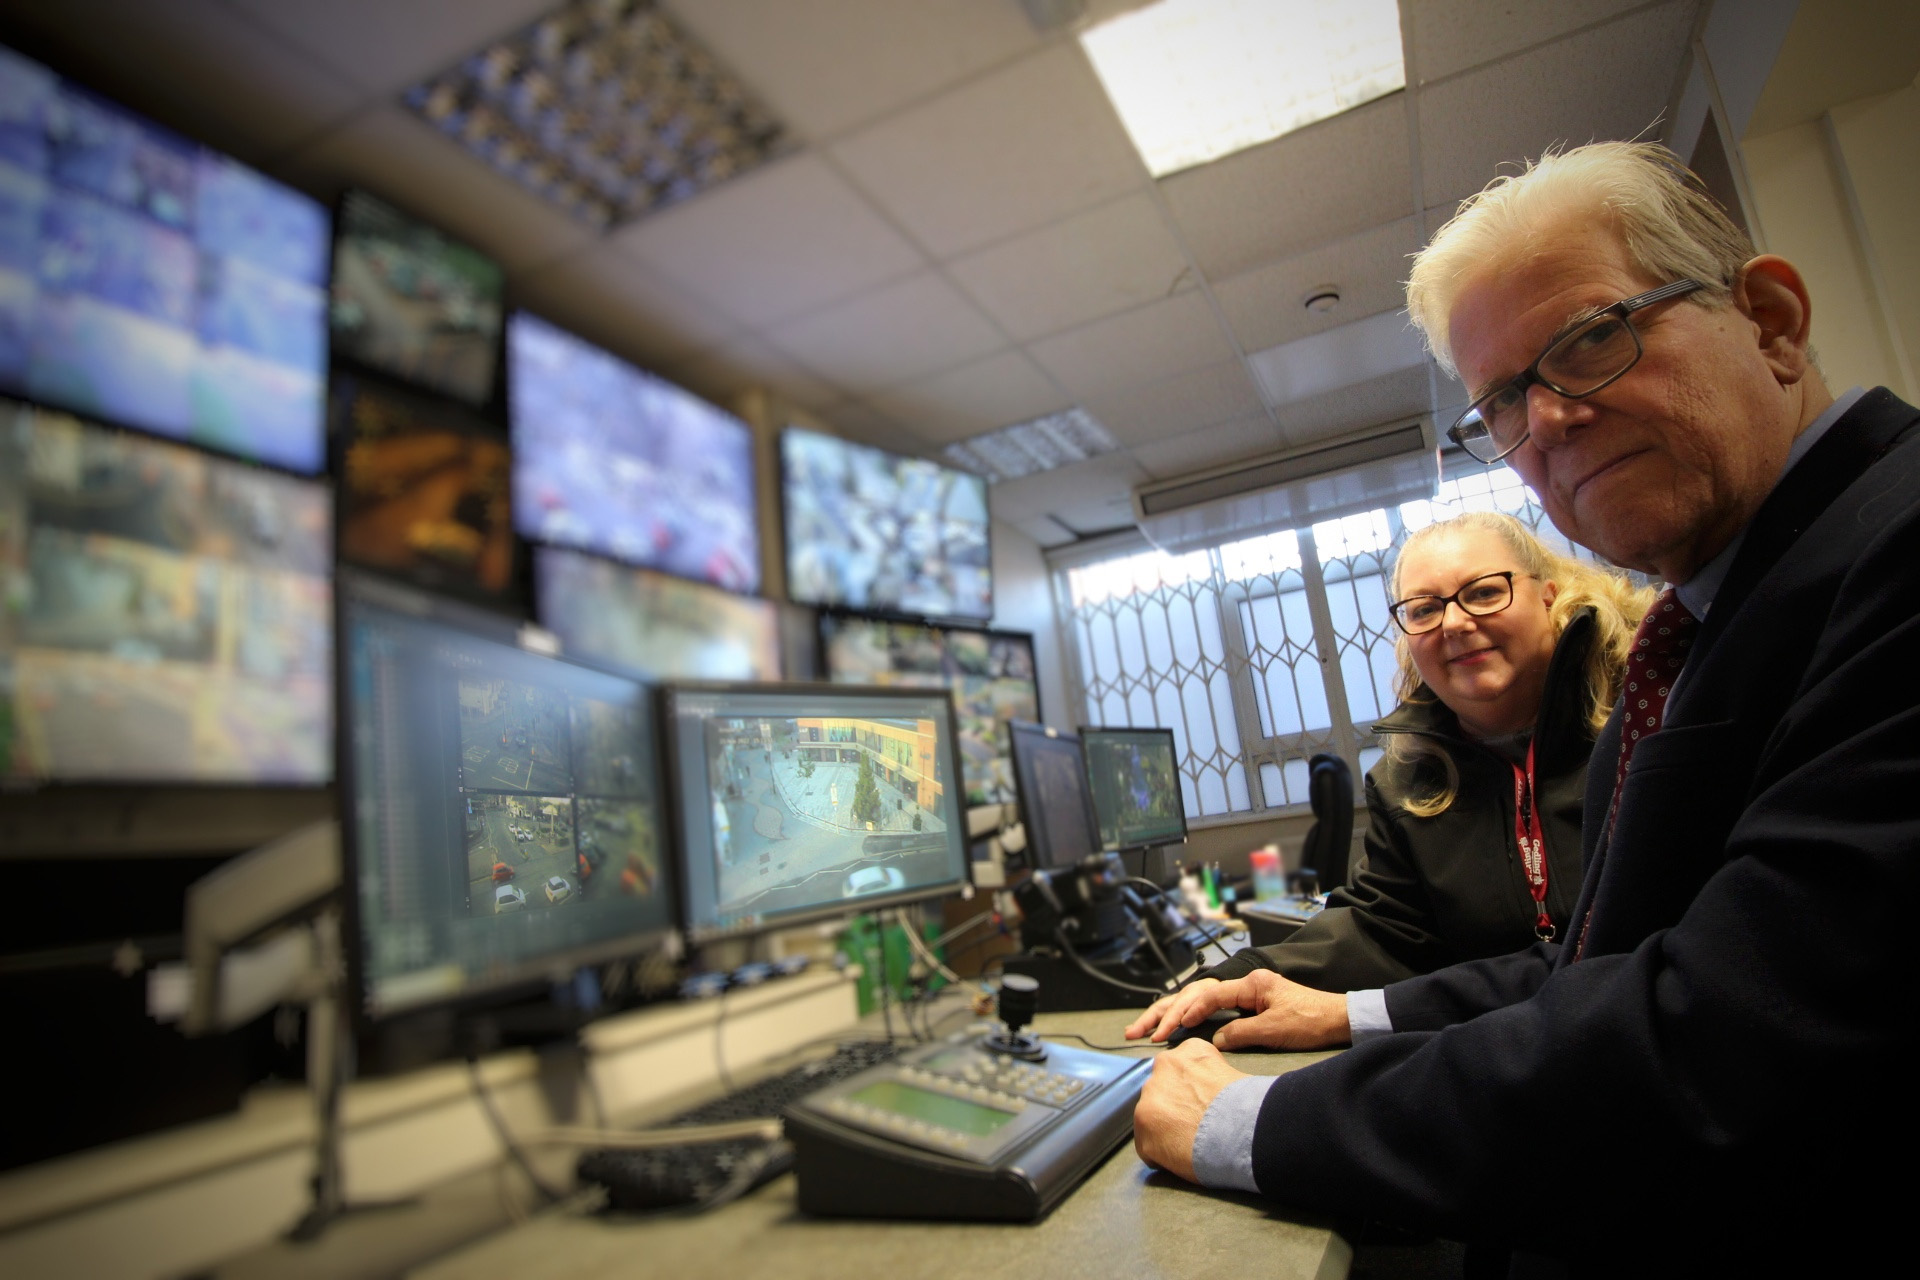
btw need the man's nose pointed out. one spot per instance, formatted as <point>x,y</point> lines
<point>1551,417</point>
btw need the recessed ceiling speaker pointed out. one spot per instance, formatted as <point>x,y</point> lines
<point>1323,299</point>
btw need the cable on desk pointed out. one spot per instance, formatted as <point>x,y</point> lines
<point>921,949</point>
<point>1066,949</point>
<point>513,1150</point>
<point>1104,1048</point>
<point>970,923</point>
<point>719,1047</point>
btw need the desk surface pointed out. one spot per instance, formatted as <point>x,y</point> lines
<point>1125,1220</point>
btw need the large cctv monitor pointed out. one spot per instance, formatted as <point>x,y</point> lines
<point>166,615</point>
<point>502,815</point>
<point>155,283</point>
<point>1056,807</point>
<point>872,530</point>
<point>613,460</point>
<point>796,802</point>
<point>1134,778</point>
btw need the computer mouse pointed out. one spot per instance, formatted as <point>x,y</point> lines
<point>1205,1027</point>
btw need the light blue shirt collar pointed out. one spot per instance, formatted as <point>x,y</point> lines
<point>1697,592</point>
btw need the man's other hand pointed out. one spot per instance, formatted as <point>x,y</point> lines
<point>1281,1014</point>
<point>1184,1083</point>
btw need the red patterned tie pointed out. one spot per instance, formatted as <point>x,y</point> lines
<point>1659,648</point>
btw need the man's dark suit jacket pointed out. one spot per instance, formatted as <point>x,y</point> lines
<point>1731,1063</point>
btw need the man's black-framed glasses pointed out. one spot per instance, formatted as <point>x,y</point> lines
<point>1591,353</point>
<point>1488,593</point>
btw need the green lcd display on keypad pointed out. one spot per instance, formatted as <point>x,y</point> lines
<point>958,1114</point>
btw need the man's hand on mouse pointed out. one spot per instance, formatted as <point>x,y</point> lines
<point>1283,1014</point>
<point>1184,1083</point>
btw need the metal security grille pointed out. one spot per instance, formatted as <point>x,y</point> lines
<point>1257,653</point>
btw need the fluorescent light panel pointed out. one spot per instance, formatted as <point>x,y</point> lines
<point>1194,80</point>
<point>1072,435</point>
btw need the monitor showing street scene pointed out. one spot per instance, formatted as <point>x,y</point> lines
<point>489,782</point>
<point>654,625</point>
<point>1135,782</point>
<point>165,615</point>
<point>809,804</point>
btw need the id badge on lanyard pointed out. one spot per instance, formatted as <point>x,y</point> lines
<point>1530,834</point>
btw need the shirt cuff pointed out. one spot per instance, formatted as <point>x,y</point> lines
<point>1367,1014</point>
<point>1223,1145</point>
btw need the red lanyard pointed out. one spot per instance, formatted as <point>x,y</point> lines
<point>1532,839</point>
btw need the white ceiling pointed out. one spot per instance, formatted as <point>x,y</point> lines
<point>964,238</point>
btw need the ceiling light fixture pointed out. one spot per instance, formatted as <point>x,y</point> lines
<point>1323,300</point>
<point>1194,80</point>
<point>1027,448</point>
<point>603,107</point>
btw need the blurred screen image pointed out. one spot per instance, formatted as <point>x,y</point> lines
<point>1135,783</point>
<point>424,491</point>
<point>506,808</point>
<point>653,624</point>
<point>167,616</point>
<point>154,283</point>
<point>803,803</point>
<point>990,673</point>
<point>868,529</point>
<point>613,460</point>
<point>414,302</point>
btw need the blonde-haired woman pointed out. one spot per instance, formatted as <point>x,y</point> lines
<point>1510,661</point>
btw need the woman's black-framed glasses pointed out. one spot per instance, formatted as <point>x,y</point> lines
<point>1489,593</point>
<point>1591,353</point>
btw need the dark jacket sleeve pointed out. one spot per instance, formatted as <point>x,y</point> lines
<point>1751,1052</point>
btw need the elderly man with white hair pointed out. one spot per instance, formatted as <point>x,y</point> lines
<point>1713,1062</point>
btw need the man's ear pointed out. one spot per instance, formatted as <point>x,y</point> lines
<point>1771,293</point>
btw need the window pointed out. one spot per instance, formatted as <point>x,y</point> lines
<point>1259,653</point>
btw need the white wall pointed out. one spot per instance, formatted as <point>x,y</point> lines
<point>1023,601</point>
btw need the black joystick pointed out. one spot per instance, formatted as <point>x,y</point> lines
<point>1019,1001</point>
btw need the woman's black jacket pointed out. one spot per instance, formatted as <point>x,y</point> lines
<point>1431,892</point>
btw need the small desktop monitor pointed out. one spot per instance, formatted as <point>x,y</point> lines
<point>166,615</point>
<point>654,625</point>
<point>413,302</point>
<point>612,460</point>
<point>503,819</point>
<point>1056,806</point>
<point>872,530</point>
<point>991,674</point>
<point>1135,781</point>
<point>424,490</point>
<point>154,283</point>
<point>796,802</point>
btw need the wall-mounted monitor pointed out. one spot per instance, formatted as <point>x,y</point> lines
<point>502,809</point>
<point>615,461</point>
<point>414,302</point>
<point>155,283</point>
<point>165,615</point>
<point>424,490</point>
<point>989,672</point>
<point>795,802</point>
<point>872,530</point>
<point>1056,806</point>
<point>654,625</point>
<point>1134,777</point>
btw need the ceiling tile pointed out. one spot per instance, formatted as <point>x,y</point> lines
<point>1143,345</point>
<point>824,66</point>
<point>1373,403</point>
<point>1339,357</point>
<point>389,151</point>
<point>386,45</point>
<point>1449,36</point>
<point>1610,82</point>
<point>1044,530</point>
<point>192,65</point>
<point>857,420</point>
<point>996,392</point>
<point>748,361</point>
<point>1317,184</point>
<point>893,334</point>
<point>774,243</point>
<point>1267,306</point>
<point>1002,154</point>
<point>615,302</point>
<point>1185,402</point>
<point>1081,268</point>
<point>1208,447</point>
